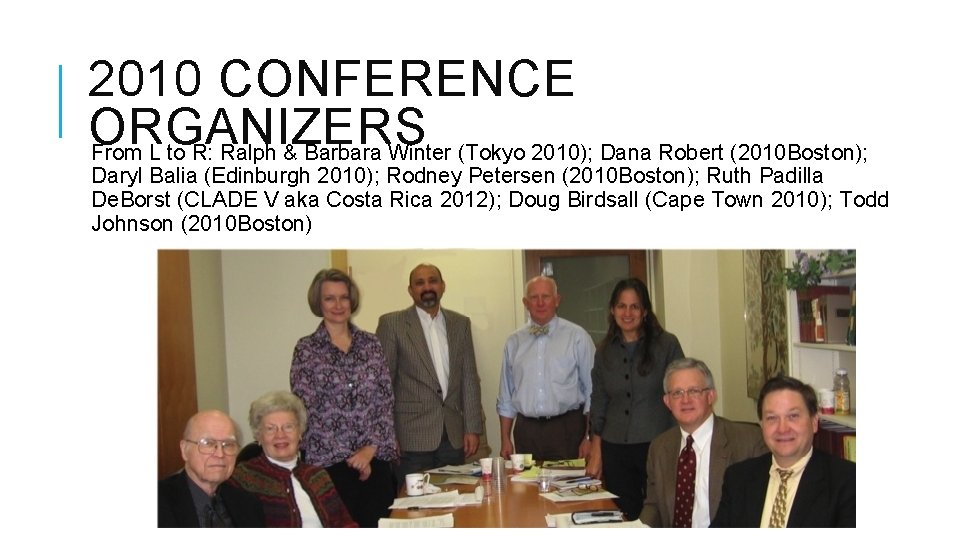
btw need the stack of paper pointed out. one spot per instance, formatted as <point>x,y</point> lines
<point>444,520</point>
<point>563,520</point>
<point>446,499</point>
<point>581,462</point>
<point>566,482</point>
<point>576,495</point>
<point>464,470</point>
<point>530,475</point>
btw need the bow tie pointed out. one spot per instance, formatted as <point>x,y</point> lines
<point>537,330</point>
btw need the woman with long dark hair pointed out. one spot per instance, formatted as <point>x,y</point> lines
<point>626,407</point>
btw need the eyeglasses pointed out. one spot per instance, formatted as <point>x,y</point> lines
<point>580,490</point>
<point>692,392</point>
<point>274,429</point>
<point>209,446</point>
<point>584,489</point>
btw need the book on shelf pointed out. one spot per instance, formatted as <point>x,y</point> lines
<point>831,438</point>
<point>824,313</point>
<point>850,448</point>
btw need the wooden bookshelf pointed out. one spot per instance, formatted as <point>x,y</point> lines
<point>816,363</point>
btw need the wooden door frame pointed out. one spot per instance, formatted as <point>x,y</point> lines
<point>176,372</point>
<point>532,258</point>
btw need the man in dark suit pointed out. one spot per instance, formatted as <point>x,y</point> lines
<point>717,443</point>
<point>795,485</point>
<point>198,496</point>
<point>438,417</point>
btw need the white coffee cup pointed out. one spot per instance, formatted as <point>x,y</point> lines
<point>517,460</point>
<point>486,467</point>
<point>416,483</point>
<point>827,404</point>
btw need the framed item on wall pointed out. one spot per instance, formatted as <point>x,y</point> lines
<point>765,314</point>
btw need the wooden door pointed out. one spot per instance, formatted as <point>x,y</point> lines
<point>176,376</point>
<point>585,279</point>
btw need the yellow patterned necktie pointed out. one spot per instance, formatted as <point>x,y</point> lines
<point>537,331</point>
<point>779,514</point>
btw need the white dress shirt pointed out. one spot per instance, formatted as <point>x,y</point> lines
<point>773,486</point>
<point>702,437</point>
<point>435,332</point>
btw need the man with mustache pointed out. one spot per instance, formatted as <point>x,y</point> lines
<point>438,417</point>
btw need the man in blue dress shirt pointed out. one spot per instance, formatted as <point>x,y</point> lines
<point>545,381</point>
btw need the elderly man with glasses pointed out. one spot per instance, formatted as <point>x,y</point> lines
<point>198,496</point>
<point>686,464</point>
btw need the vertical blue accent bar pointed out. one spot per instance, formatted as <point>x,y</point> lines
<point>60,101</point>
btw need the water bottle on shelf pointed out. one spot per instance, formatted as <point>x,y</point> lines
<point>841,389</point>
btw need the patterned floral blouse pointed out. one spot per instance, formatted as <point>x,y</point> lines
<point>349,397</point>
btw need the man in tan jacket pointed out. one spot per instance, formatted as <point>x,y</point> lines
<point>715,443</point>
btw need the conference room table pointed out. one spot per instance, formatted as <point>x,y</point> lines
<point>519,504</point>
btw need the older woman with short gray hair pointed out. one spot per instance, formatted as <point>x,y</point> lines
<point>293,493</point>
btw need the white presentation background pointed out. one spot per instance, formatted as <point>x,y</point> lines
<point>79,335</point>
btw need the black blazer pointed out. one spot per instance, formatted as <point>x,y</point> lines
<point>826,496</point>
<point>175,504</point>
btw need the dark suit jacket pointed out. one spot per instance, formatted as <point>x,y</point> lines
<point>176,504</point>
<point>731,442</point>
<point>826,496</point>
<point>421,413</point>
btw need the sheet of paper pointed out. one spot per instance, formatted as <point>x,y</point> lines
<point>471,498</point>
<point>566,463</point>
<point>443,520</point>
<point>573,496</point>
<point>563,521</point>
<point>468,480</point>
<point>446,499</point>
<point>530,475</point>
<point>466,470</point>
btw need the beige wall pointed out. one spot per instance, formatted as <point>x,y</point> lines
<point>691,306</point>
<point>736,404</point>
<point>703,306</point>
<point>265,313</point>
<point>206,289</point>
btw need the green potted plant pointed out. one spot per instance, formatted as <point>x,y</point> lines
<point>817,322</point>
<point>808,270</point>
